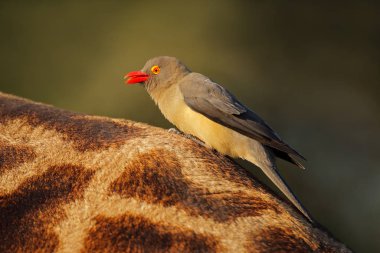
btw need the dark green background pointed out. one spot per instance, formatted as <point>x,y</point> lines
<point>310,68</point>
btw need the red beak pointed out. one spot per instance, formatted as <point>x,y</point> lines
<point>135,77</point>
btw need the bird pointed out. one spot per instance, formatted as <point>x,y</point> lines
<point>200,107</point>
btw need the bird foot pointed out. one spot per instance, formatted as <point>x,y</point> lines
<point>174,131</point>
<point>188,136</point>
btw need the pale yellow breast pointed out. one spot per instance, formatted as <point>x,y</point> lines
<point>225,140</point>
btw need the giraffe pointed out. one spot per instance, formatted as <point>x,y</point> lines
<point>71,182</point>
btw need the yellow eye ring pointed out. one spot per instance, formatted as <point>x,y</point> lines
<point>155,69</point>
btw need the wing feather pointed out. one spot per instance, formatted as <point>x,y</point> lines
<point>216,103</point>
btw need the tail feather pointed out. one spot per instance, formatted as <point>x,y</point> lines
<point>300,165</point>
<point>287,157</point>
<point>269,169</point>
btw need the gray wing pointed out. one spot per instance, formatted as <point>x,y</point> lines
<point>216,103</point>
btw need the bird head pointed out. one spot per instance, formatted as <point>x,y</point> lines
<point>160,71</point>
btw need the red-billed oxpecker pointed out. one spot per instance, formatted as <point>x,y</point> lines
<point>200,107</point>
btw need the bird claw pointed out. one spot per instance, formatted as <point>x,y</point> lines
<point>174,131</point>
<point>188,136</point>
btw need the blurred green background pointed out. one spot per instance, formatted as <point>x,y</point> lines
<point>310,68</point>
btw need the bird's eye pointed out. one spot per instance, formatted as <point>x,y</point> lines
<point>155,69</point>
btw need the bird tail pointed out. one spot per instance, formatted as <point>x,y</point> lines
<point>287,157</point>
<point>271,172</point>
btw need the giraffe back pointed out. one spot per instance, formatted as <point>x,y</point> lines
<point>76,183</point>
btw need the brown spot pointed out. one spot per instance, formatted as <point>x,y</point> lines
<point>326,241</point>
<point>329,245</point>
<point>275,239</point>
<point>27,215</point>
<point>156,177</point>
<point>225,167</point>
<point>86,134</point>
<point>12,156</point>
<point>130,233</point>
